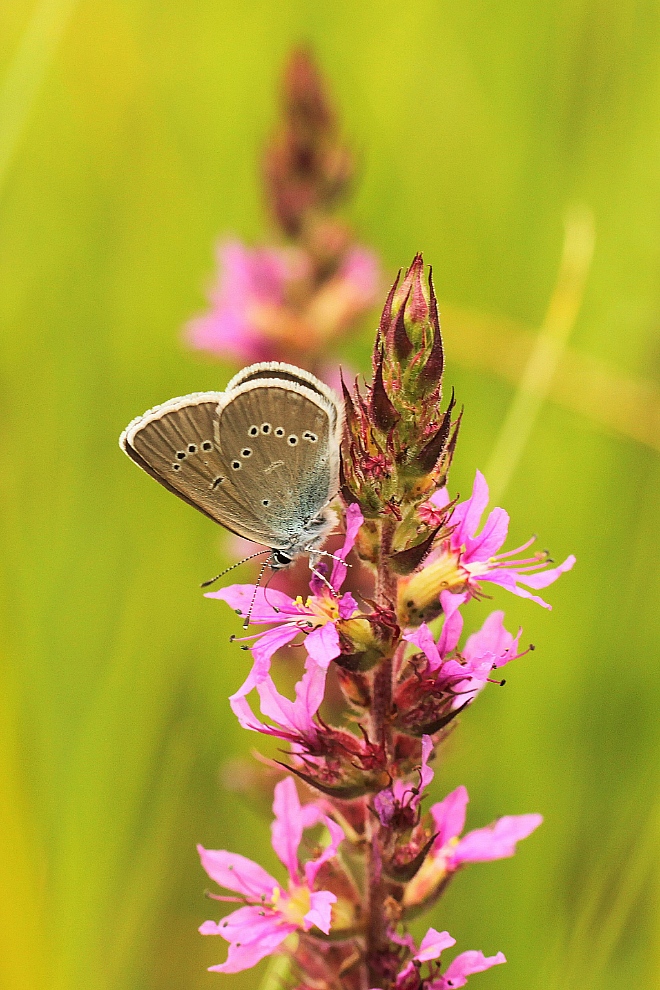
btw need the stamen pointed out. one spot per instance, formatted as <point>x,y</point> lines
<point>523,546</point>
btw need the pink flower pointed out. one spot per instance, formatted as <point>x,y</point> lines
<point>463,966</point>
<point>434,692</point>
<point>431,947</point>
<point>294,720</point>
<point>495,841</point>
<point>316,618</point>
<point>398,805</point>
<point>270,912</point>
<point>265,302</point>
<point>465,559</point>
<point>449,851</point>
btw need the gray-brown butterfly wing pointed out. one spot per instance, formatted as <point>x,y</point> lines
<point>176,443</point>
<point>261,459</point>
<point>279,441</point>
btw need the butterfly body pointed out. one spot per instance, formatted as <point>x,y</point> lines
<point>260,458</point>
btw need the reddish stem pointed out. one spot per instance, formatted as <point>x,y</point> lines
<point>375,894</point>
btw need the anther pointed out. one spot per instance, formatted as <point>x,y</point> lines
<point>244,647</point>
<point>532,647</point>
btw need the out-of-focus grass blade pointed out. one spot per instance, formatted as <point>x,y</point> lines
<point>25,934</point>
<point>550,344</point>
<point>26,73</point>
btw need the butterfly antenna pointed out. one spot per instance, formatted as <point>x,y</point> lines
<point>266,587</point>
<point>205,584</point>
<point>326,553</point>
<point>246,621</point>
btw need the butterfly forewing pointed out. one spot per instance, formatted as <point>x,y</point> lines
<point>176,444</point>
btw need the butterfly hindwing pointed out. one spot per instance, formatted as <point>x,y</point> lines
<point>276,442</point>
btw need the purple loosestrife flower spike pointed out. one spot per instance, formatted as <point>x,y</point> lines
<point>404,681</point>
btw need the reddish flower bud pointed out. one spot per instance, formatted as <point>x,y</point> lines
<point>398,441</point>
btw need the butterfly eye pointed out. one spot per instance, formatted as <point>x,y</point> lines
<point>293,439</point>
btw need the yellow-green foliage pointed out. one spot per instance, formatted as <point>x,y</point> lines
<point>128,140</point>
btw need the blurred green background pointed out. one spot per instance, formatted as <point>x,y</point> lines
<point>129,137</point>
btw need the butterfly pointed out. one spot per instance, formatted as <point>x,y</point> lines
<point>260,458</point>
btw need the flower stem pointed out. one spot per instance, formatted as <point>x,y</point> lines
<point>381,708</point>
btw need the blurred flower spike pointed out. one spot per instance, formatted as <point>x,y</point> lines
<point>292,301</point>
<point>307,169</point>
<point>269,303</point>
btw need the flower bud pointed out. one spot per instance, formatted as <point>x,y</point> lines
<point>365,640</point>
<point>398,443</point>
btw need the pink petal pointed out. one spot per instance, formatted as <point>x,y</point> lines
<point>237,873</point>
<point>263,649</point>
<point>247,924</point>
<point>464,965</point>
<point>275,608</point>
<point>322,645</point>
<point>543,578</point>
<point>422,638</point>
<point>507,580</point>
<point>248,954</point>
<point>246,717</point>
<point>491,538</point>
<point>336,836</point>
<point>320,912</point>
<point>433,944</point>
<point>496,841</point>
<point>295,715</point>
<point>426,773</point>
<point>287,828</point>
<point>347,606</point>
<point>467,515</point>
<point>449,816</point>
<point>354,520</point>
<point>453,624</point>
<point>440,498</point>
<point>492,641</point>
